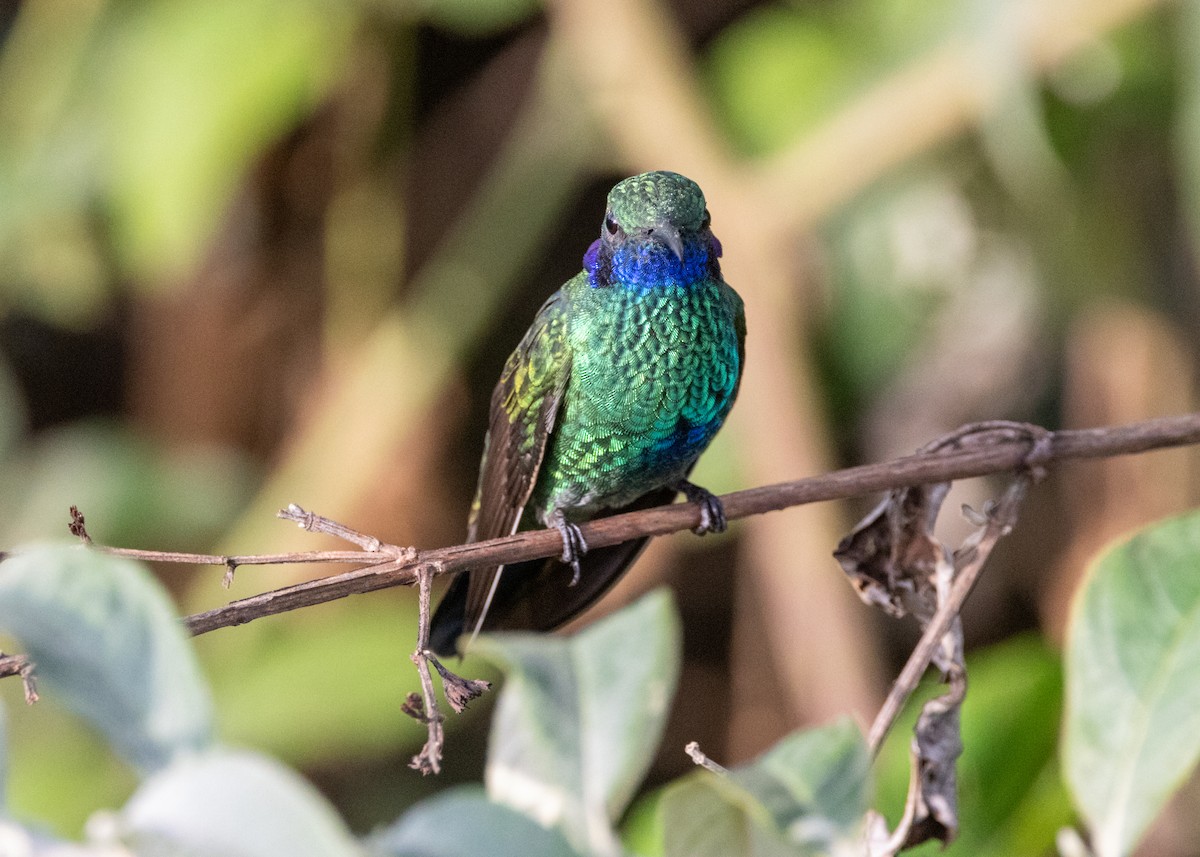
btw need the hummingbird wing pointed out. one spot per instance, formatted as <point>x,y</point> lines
<point>536,595</point>
<point>525,405</point>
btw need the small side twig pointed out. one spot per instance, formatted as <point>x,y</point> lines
<point>701,759</point>
<point>315,523</point>
<point>459,691</point>
<point>384,553</point>
<point>20,665</point>
<point>429,760</point>
<point>969,562</point>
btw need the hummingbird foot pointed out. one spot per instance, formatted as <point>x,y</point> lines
<point>712,513</point>
<point>573,544</point>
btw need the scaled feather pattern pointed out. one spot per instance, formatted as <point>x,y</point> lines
<point>620,383</point>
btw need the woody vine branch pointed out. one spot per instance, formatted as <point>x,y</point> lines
<point>382,566</point>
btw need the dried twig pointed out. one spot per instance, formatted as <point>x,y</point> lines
<point>702,759</point>
<point>315,523</point>
<point>969,562</point>
<point>897,563</point>
<point>429,760</point>
<point>1000,452</point>
<point>293,512</point>
<point>22,666</point>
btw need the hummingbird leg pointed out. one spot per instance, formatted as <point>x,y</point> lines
<point>712,513</point>
<point>573,544</point>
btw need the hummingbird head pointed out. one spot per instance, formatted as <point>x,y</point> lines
<point>656,230</point>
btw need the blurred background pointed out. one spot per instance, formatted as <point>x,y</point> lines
<point>255,252</point>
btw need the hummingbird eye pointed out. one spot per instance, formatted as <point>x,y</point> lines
<point>611,225</point>
<point>706,220</point>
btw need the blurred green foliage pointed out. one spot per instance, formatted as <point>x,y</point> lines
<point>578,718</point>
<point>131,126</point>
<point>1011,796</point>
<point>190,95</point>
<point>782,68</point>
<point>145,144</point>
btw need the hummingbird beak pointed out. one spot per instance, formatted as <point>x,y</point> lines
<point>670,236</point>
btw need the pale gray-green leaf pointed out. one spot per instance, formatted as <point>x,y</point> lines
<point>1133,682</point>
<point>709,816</point>
<point>464,823</point>
<point>222,803</point>
<point>580,718</point>
<point>813,780</point>
<point>106,643</point>
<point>805,796</point>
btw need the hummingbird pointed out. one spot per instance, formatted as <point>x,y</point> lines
<point>621,382</point>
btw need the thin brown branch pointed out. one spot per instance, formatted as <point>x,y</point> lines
<point>12,664</point>
<point>702,759</point>
<point>996,452</point>
<point>315,523</point>
<point>970,560</point>
<point>79,530</point>
<point>22,666</point>
<point>429,760</point>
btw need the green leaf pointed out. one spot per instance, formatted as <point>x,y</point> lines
<point>709,816</point>
<point>642,832</point>
<point>224,802</point>
<point>105,641</point>
<point>192,93</point>
<point>579,718</point>
<point>817,775</point>
<point>464,823</point>
<point>1132,727</point>
<point>807,795</point>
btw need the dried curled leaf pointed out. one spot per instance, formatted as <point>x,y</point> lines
<point>892,557</point>
<point>936,746</point>
<point>895,562</point>
<point>459,691</point>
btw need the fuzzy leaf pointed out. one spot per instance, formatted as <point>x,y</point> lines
<point>464,823</point>
<point>233,803</point>
<point>579,718</point>
<point>807,795</point>
<point>106,643</point>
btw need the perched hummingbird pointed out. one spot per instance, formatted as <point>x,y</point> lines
<point>625,376</point>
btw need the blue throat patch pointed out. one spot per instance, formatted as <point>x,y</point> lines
<point>647,265</point>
